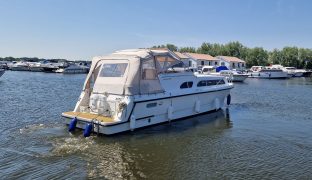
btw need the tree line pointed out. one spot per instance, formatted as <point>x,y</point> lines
<point>287,56</point>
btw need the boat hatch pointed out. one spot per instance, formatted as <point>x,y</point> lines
<point>88,117</point>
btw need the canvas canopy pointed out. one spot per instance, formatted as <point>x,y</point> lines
<point>130,72</point>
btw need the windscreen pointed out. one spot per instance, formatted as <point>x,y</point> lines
<point>113,70</point>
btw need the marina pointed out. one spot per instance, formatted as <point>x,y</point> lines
<point>265,138</point>
<point>164,90</point>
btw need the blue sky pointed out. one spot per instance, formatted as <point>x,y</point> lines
<point>80,29</point>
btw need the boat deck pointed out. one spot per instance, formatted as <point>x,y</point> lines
<point>88,117</point>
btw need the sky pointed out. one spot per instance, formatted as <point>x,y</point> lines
<point>81,29</point>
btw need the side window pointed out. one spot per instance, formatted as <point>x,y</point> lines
<point>202,83</point>
<point>113,70</point>
<point>211,82</point>
<point>188,84</point>
<point>221,82</point>
<point>149,70</point>
<point>151,105</point>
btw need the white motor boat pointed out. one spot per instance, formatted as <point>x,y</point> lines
<point>20,66</point>
<point>2,71</point>
<point>36,67</point>
<point>234,76</point>
<point>267,73</point>
<point>132,89</point>
<point>294,72</point>
<point>73,69</point>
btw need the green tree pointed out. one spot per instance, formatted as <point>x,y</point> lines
<point>187,49</point>
<point>275,57</point>
<point>290,56</point>
<point>236,49</point>
<point>309,65</point>
<point>257,57</point>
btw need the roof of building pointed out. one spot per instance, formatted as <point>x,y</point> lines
<point>231,59</point>
<point>180,55</point>
<point>205,57</point>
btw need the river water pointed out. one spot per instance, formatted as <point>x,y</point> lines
<point>266,134</point>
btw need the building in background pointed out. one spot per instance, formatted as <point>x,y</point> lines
<point>188,62</point>
<point>231,62</point>
<point>203,59</point>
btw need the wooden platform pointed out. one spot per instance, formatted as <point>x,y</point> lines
<point>88,116</point>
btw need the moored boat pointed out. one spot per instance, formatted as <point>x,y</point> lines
<point>131,89</point>
<point>73,69</point>
<point>19,66</point>
<point>267,73</point>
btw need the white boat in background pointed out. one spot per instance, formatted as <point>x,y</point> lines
<point>267,73</point>
<point>51,67</point>
<point>36,67</point>
<point>231,75</point>
<point>234,76</point>
<point>19,66</point>
<point>73,69</point>
<point>131,89</point>
<point>294,72</point>
<point>2,71</point>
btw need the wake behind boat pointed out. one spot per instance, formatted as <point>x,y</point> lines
<point>131,89</point>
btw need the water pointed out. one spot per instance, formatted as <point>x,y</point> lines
<point>267,135</point>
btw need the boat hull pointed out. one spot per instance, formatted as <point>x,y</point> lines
<point>156,111</point>
<point>239,77</point>
<point>271,75</point>
<point>19,68</point>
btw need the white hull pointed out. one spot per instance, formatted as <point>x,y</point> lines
<point>298,74</point>
<point>36,69</point>
<point>239,77</point>
<point>182,106</point>
<point>267,75</point>
<point>75,71</point>
<point>19,68</point>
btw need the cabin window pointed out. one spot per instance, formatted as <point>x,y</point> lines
<point>188,84</point>
<point>233,65</point>
<point>113,70</point>
<point>150,105</point>
<point>222,64</point>
<point>210,82</point>
<point>202,63</point>
<point>149,70</point>
<point>243,65</point>
<point>209,63</point>
<point>201,83</point>
<point>190,63</point>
